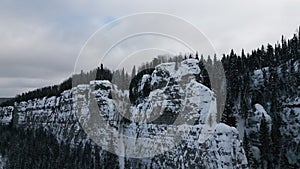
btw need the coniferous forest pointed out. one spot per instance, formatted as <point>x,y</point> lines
<point>268,75</point>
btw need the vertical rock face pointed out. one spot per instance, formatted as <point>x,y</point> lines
<point>221,150</point>
<point>176,101</point>
<point>255,118</point>
<point>290,129</point>
<point>6,114</point>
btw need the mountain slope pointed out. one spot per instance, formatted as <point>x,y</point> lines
<point>206,143</point>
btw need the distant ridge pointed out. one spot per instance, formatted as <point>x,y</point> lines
<point>4,100</point>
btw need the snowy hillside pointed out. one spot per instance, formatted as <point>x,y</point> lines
<point>174,94</point>
<point>271,96</point>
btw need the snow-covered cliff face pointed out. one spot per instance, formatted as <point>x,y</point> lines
<point>272,92</point>
<point>221,150</point>
<point>290,130</point>
<point>6,114</point>
<point>173,92</point>
<point>291,120</point>
<point>182,104</point>
<point>255,118</point>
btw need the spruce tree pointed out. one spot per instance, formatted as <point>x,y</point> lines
<point>276,140</point>
<point>133,73</point>
<point>228,115</point>
<point>264,139</point>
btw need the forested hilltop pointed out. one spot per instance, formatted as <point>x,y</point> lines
<point>262,102</point>
<point>284,53</point>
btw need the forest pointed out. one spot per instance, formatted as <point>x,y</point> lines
<point>278,63</point>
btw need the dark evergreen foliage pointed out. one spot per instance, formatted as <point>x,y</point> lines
<point>37,149</point>
<point>228,116</point>
<point>264,138</point>
<point>56,90</point>
<point>277,64</point>
<point>134,94</point>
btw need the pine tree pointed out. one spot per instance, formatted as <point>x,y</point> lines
<point>228,115</point>
<point>176,65</point>
<point>264,139</point>
<point>276,139</point>
<point>133,73</point>
<point>197,57</point>
<point>249,154</point>
<point>209,64</point>
<point>202,59</point>
<point>246,144</point>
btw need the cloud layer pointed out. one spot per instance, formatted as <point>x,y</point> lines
<point>40,40</point>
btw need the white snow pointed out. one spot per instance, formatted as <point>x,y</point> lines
<point>261,111</point>
<point>2,162</point>
<point>59,116</point>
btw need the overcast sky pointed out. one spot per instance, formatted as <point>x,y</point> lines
<point>40,40</point>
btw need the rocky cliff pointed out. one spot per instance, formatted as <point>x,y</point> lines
<point>181,108</point>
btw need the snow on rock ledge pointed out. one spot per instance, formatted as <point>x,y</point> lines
<point>58,115</point>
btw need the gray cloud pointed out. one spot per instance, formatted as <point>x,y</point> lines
<point>40,40</point>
